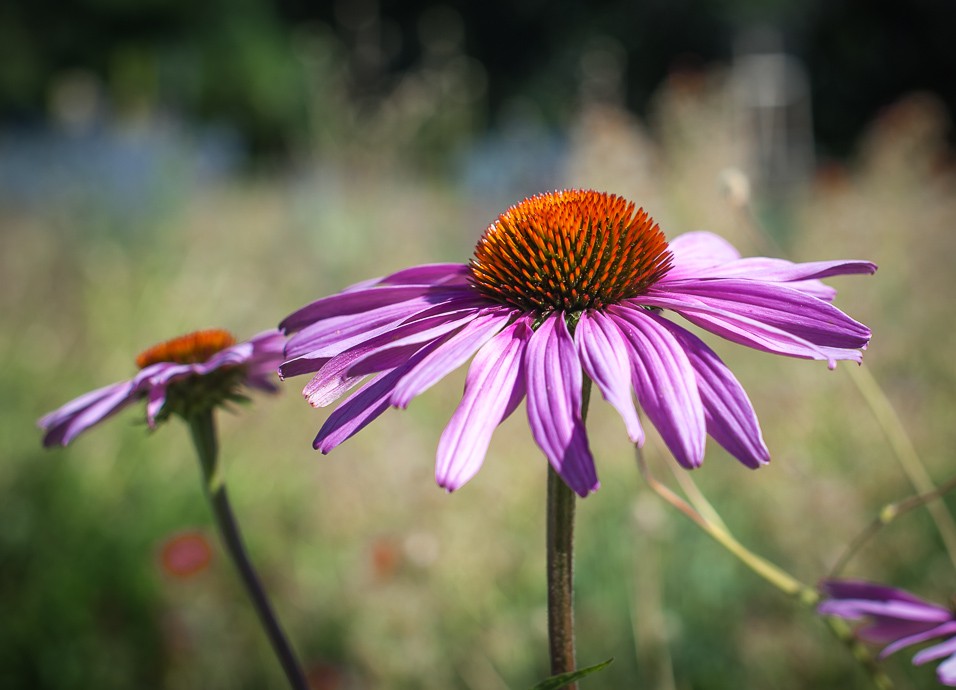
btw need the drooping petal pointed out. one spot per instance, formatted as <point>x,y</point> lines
<point>603,352</point>
<point>783,271</point>
<point>943,630</point>
<point>363,406</point>
<point>553,379</point>
<point>936,652</point>
<point>776,305</point>
<point>493,389</point>
<point>155,399</point>
<point>703,255</point>
<point>729,415</point>
<point>63,425</point>
<point>357,411</point>
<point>392,348</point>
<point>331,381</point>
<point>452,354</point>
<point>665,384</point>
<point>745,330</point>
<point>769,270</point>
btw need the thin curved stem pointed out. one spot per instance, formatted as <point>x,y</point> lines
<point>203,429</point>
<point>719,533</point>
<point>560,565</point>
<point>905,452</point>
<point>804,594</point>
<point>888,514</point>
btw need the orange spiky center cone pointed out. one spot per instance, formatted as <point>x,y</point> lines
<point>192,348</point>
<point>570,250</point>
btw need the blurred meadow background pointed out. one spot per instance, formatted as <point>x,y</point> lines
<point>167,167</point>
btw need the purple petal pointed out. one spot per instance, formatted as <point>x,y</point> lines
<point>383,352</point>
<point>452,354</point>
<point>905,611</point>
<point>553,379</point>
<point>778,306</point>
<point>604,357</point>
<point>861,589</point>
<point>936,652</point>
<point>665,383</point>
<point>263,364</point>
<point>886,630</point>
<point>429,274</point>
<point>393,348</point>
<point>363,300</point>
<point>68,422</point>
<point>301,365</point>
<point>700,249</point>
<point>772,270</point>
<point>896,616</point>
<point>729,415</point>
<point>155,399</point>
<point>945,629</point>
<point>331,336</point>
<point>331,381</point>
<point>814,288</point>
<point>946,671</point>
<point>364,405</point>
<point>358,410</point>
<point>493,389</point>
<point>745,330</point>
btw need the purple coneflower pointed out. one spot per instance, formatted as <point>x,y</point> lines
<point>897,619</point>
<point>559,283</point>
<point>182,376</point>
<point>191,376</point>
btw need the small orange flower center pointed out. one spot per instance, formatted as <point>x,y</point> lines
<point>192,348</point>
<point>570,250</point>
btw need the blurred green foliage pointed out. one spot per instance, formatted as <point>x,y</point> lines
<point>251,64</point>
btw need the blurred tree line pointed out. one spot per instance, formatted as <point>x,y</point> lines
<point>246,62</point>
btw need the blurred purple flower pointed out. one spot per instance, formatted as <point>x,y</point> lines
<point>896,619</point>
<point>183,375</point>
<point>562,282</point>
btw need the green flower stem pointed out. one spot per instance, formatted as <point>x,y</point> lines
<point>719,533</point>
<point>888,514</point>
<point>560,564</point>
<point>905,452</point>
<point>560,574</point>
<point>802,593</point>
<point>203,428</point>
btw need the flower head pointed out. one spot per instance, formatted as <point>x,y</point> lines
<point>185,375</point>
<point>897,619</point>
<point>563,285</point>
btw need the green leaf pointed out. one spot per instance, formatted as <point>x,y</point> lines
<point>565,679</point>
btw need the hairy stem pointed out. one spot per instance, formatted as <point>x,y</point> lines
<point>560,565</point>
